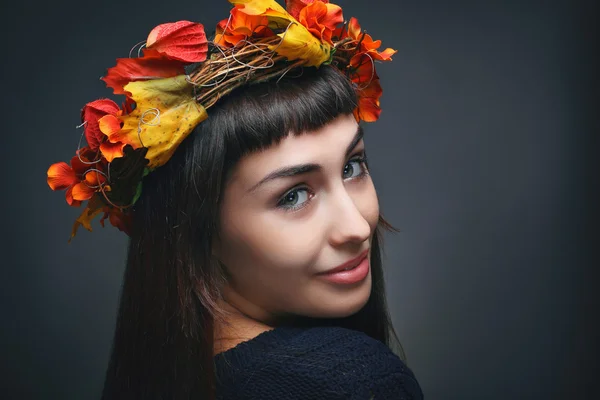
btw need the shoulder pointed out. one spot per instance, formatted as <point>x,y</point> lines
<point>326,362</point>
<point>362,366</point>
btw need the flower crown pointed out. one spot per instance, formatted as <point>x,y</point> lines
<point>179,74</point>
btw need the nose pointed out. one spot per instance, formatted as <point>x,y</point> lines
<point>348,223</point>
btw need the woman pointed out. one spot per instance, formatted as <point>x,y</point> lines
<point>254,267</point>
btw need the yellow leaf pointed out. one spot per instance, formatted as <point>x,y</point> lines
<point>297,42</point>
<point>164,116</point>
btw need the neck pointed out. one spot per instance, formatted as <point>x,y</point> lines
<point>237,325</point>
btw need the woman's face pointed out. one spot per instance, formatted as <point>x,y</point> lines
<point>292,212</point>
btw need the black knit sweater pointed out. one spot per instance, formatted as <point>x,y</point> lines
<point>313,363</point>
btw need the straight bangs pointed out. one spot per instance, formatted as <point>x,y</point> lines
<point>257,116</point>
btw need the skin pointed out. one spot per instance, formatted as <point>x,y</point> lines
<point>273,243</point>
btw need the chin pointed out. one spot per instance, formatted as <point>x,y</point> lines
<point>342,304</point>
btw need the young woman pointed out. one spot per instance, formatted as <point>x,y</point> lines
<point>254,267</point>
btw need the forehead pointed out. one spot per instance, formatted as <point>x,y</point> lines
<point>326,144</point>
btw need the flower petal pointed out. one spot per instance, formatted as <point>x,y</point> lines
<point>69,197</point>
<point>90,114</point>
<point>321,19</point>
<point>151,66</point>
<point>183,40</point>
<point>353,28</point>
<point>368,108</point>
<point>239,26</point>
<point>385,55</point>
<point>61,176</point>
<point>110,150</point>
<point>295,6</point>
<point>94,178</point>
<point>81,191</point>
<point>109,125</point>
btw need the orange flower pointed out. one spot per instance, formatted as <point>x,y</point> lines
<point>110,125</point>
<point>363,74</point>
<point>368,108</point>
<point>90,114</point>
<point>320,17</point>
<point>367,44</point>
<point>230,31</point>
<point>81,179</point>
<point>295,6</point>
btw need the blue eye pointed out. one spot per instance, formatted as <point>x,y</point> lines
<point>294,199</point>
<point>355,168</point>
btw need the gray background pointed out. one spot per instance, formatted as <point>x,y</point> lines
<point>483,157</point>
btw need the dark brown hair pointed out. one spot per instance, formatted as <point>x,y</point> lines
<point>163,343</point>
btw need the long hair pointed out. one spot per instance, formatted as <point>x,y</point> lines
<point>163,343</point>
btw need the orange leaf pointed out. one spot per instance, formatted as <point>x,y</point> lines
<point>183,40</point>
<point>151,66</point>
<point>93,208</point>
<point>90,114</point>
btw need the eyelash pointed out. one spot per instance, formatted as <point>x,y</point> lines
<point>361,159</point>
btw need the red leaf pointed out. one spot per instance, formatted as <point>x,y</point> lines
<point>151,66</point>
<point>183,40</point>
<point>90,114</point>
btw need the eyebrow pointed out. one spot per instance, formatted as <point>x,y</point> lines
<point>299,169</point>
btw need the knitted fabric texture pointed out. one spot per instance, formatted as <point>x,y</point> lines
<point>313,363</point>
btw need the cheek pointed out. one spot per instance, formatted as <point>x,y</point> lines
<point>266,245</point>
<point>368,204</point>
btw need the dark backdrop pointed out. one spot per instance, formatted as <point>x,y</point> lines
<point>483,156</point>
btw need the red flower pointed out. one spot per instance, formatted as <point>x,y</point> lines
<point>90,114</point>
<point>118,218</point>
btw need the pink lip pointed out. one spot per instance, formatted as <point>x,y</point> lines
<point>354,275</point>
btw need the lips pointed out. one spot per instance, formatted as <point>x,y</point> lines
<point>348,264</point>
